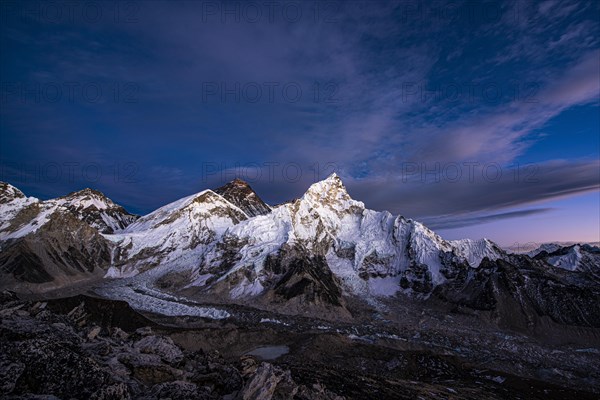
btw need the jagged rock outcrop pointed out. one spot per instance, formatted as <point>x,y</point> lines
<point>578,257</point>
<point>241,195</point>
<point>310,255</point>
<point>9,193</point>
<point>309,280</point>
<point>20,215</point>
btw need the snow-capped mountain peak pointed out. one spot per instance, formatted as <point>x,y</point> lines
<point>369,252</point>
<point>93,207</point>
<point>87,198</point>
<point>329,195</point>
<point>16,212</point>
<point>175,235</point>
<point>186,210</point>
<point>547,247</point>
<point>21,215</point>
<point>330,188</point>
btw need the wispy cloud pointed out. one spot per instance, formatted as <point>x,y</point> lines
<point>422,194</point>
<point>376,85</point>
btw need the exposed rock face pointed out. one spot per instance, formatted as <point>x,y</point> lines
<point>162,347</point>
<point>20,215</point>
<point>309,280</point>
<point>8,193</point>
<point>56,242</point>
<point>12,205</point>
<point>241,194</point>
<point>47,358</point>
<point>268,383</point>
<point>303,283</point>
<point>318,252</point>
<point>520,291</point>
<point>210,242</point>
<point>63,250</point>
<point>180,390</point>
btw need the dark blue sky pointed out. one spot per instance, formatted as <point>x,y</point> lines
<point>480,118</point>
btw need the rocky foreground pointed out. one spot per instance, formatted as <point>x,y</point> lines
<point>84,354</point>
<point>84,347</point>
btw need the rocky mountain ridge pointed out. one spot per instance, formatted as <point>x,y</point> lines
<point>57,242</point>
<point>309,255</point>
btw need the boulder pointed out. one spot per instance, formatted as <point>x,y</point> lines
<point>161,346</point>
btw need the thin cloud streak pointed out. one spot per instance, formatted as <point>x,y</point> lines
<point>465,220</point>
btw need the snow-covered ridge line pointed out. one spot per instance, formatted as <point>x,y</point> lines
<point>175,235</point>
<point>161,214</point>
<point>21,215</point>
<point>215,243</point>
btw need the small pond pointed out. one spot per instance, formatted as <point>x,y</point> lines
<point>269,352</point>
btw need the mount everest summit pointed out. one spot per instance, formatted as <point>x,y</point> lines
<point>314,254</point>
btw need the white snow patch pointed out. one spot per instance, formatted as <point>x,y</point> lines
<point>569,261</point>
<point>273,321</point>
<point>33,225</point>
